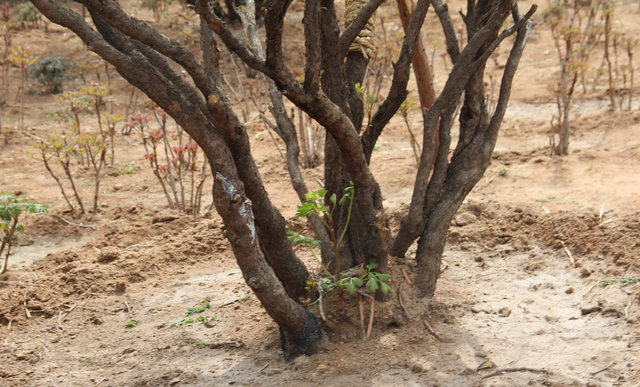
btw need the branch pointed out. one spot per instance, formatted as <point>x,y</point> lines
<point>511,66</point>
<point>147,35</point>
<point>274,25</point>
<point>229,40</point>
<point>453,47</point>
<point>351,33</point>
<point>401,74</point>
<point>313,52</point>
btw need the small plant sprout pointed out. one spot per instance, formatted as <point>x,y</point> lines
<point>131,323</point>
<point>406,108</point>
<point>111,120</point>
<point>198,309</point>
<point>23,58</point>
<point>11,207</point>
<point>95,151</point>
<point>315,206</point>
<point>356,279</point>
<point>76,102</point>
<point>97,94</point>
<point>61,148</point>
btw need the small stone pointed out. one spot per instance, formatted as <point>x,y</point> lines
<point>584,273</point>
<point>272,371</point>
<point>504,312</point>
<point>569,291</point>
<point>118,187</point>
<point>174,381</point>
<point>611,312</point>
<point>121,287</point>
<point>164,217</point>
<point>108,254</point>
<point>465,219</point>
<point>22,355</point>
<point>585,310</point>
<point>417,368</point>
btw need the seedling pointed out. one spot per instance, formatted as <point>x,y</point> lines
<point>131,323</point>
<point>406,107</point>
<point>23,58</point>
<point>61,148</point>
<point>315,206</point>
<point>184,321</point>
<point>624,281</point>
<point>200,308</point>
<point>11,207</point>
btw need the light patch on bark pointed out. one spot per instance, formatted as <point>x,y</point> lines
<point>245,212</point>
<point>245,209</point>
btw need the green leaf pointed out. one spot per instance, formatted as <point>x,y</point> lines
<point>382,277</point>
<point>343,199</point>
<point>372,266</point>
<point>357,281</point>
<point>333,198</point>
<point>384,288</point>
<point>372,284</point>
<point>351,288</point>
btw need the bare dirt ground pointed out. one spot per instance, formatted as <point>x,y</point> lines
<point>510,293</point>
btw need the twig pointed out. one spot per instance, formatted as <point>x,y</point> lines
<point>373,305</point>
<point>590,288</point>
<point>604,369</point>
<point>74,224</point>
<point>320,303</point>
<point>607,221</point>
<point>26,309</point>
<point>128,307</point>
<point>264,368</point>
<point>361,312</point>
<point>626,310</point>
<point>443,266</point>
<point>406,276</point>
<point>480,188</point>
<point>6,340</point>
<point>517,369</point>
<point>409,316</point>
<point>601,213</point>
<point>100,382</point>
<point>430,329</point>
<point>573,262</point>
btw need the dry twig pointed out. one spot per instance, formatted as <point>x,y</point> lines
<point>74,224</point>
<point>604,369</point>
<point>626,310</point>
<point>517,369</point>
<point>406,276</point>
<point>430,329</point>
<point>573,262</point>
<point>409,316</point>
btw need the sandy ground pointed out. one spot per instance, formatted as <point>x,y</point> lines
<point>510,294</point>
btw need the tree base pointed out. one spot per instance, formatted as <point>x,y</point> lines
<point>308,341</point>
